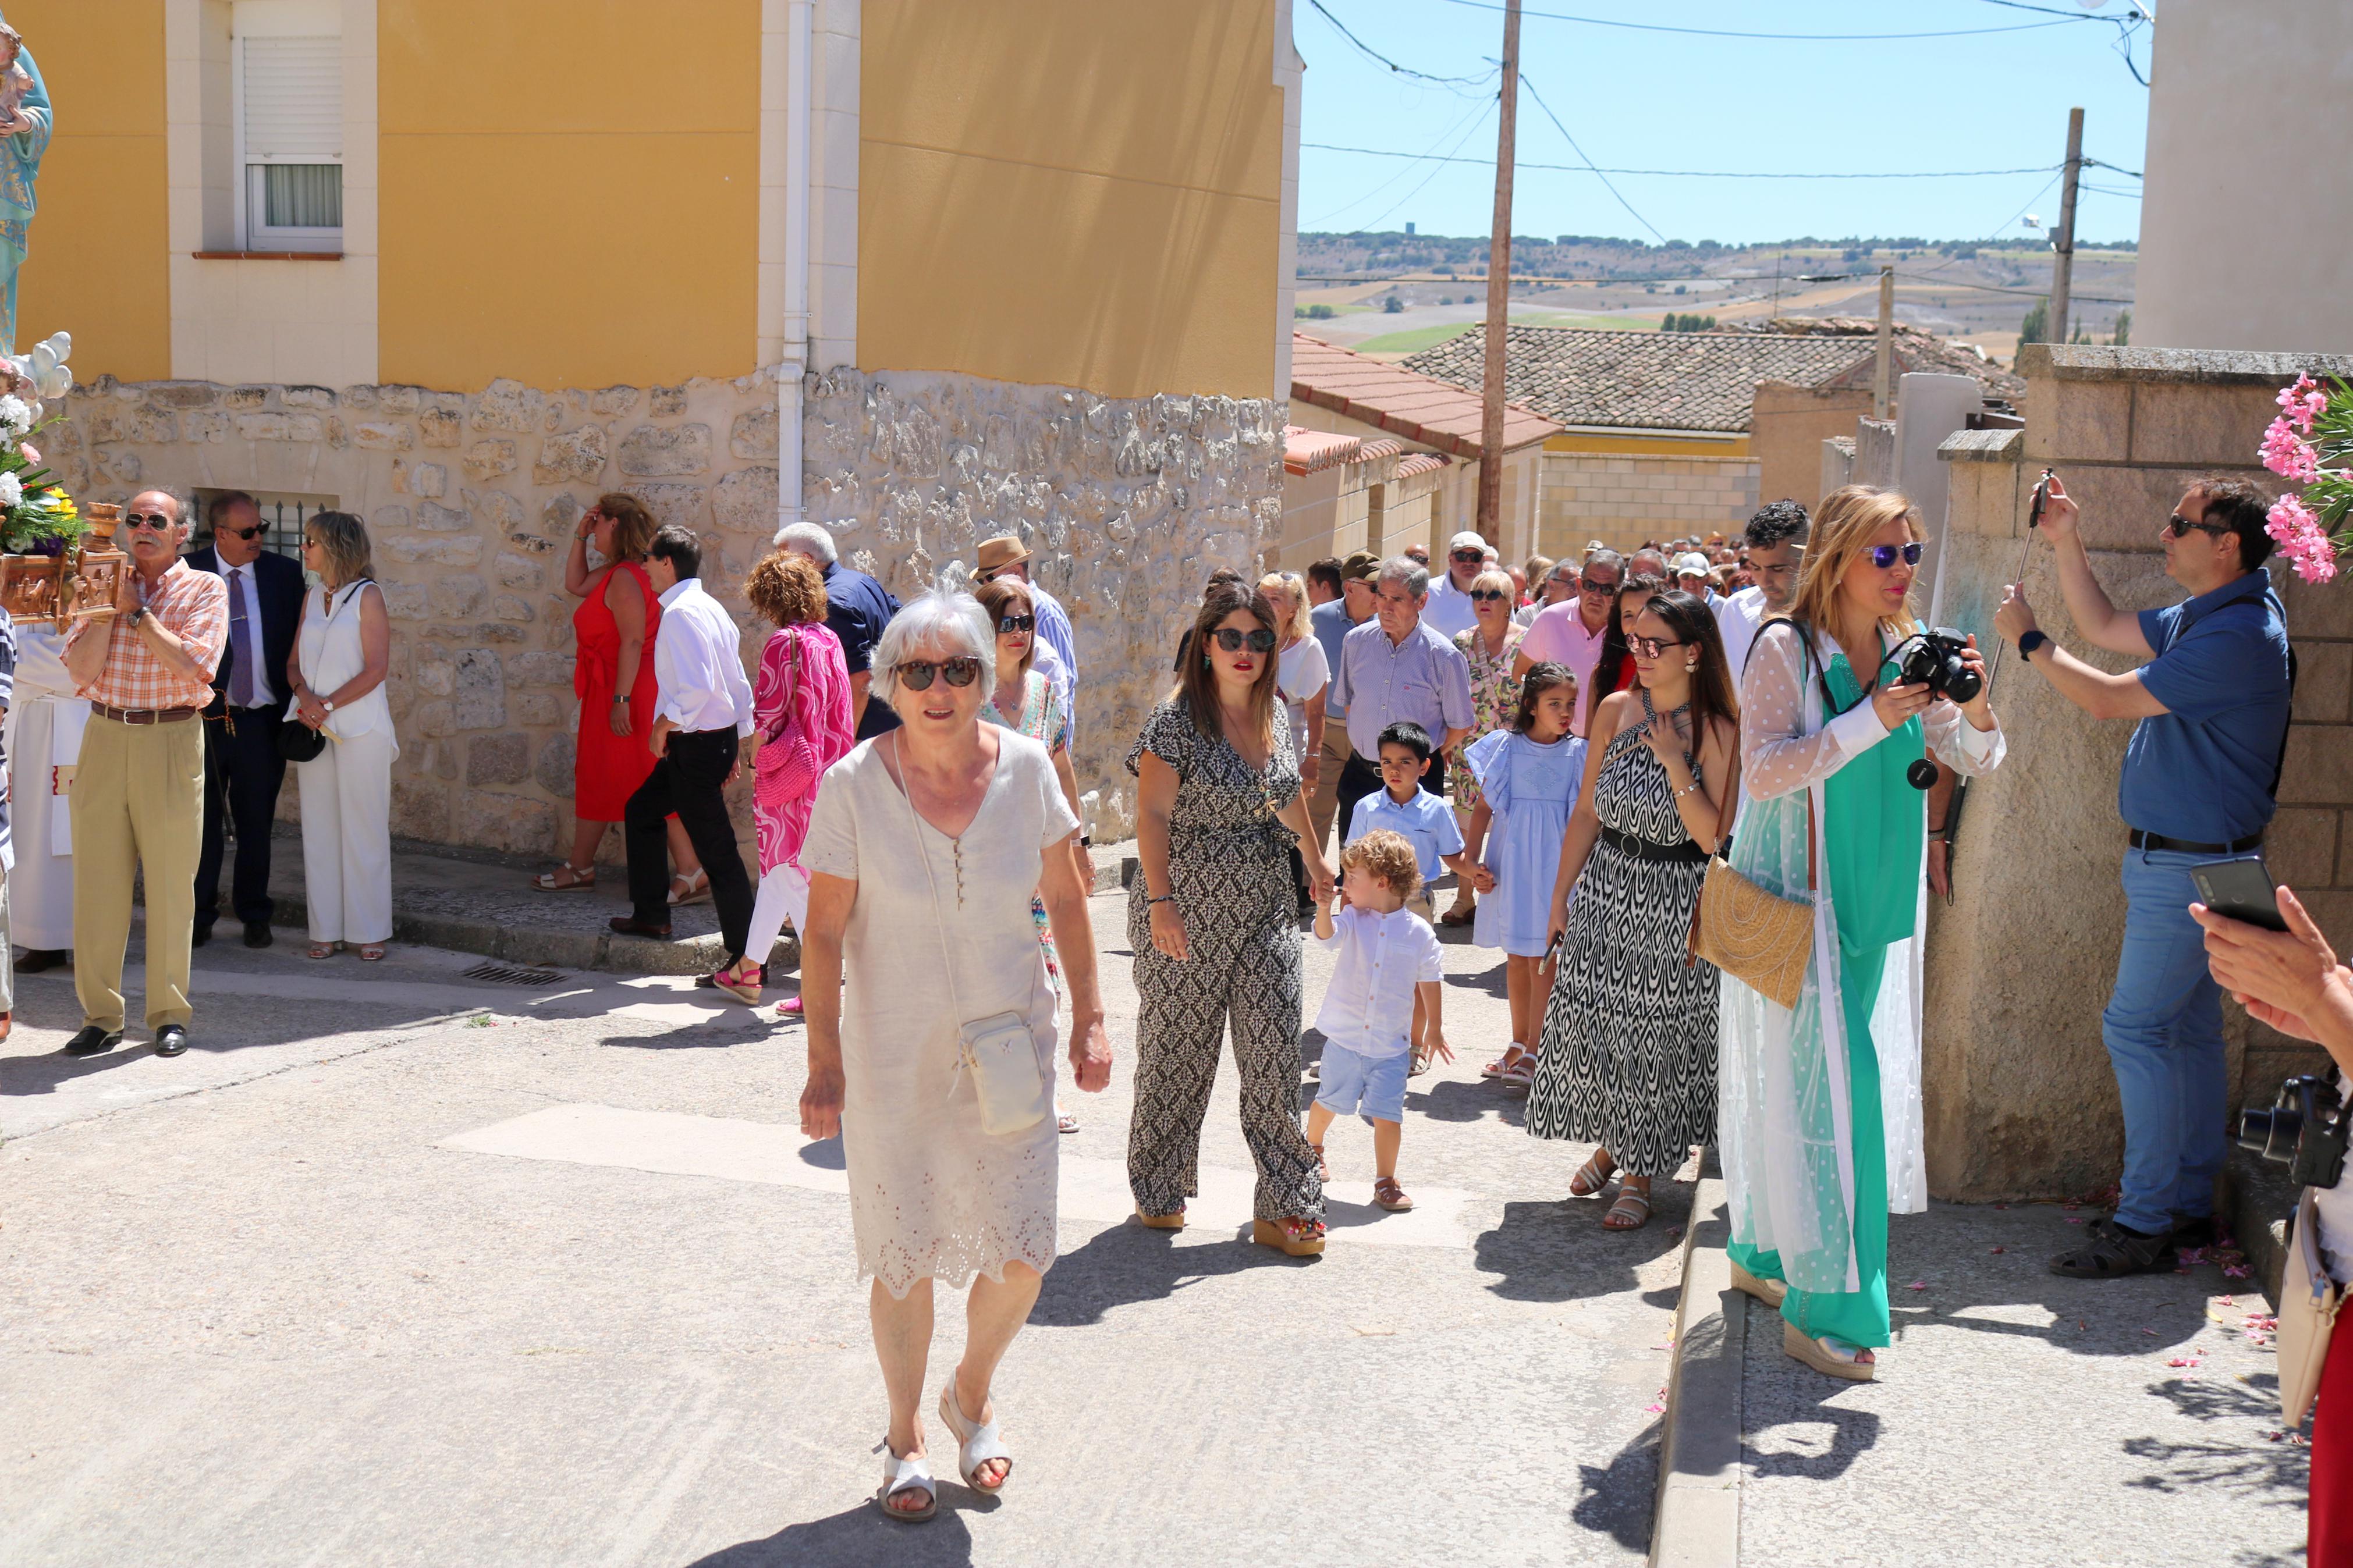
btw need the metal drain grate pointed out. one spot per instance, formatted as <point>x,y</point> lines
<point>506,975</point>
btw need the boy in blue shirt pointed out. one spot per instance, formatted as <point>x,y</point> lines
<point>1403,807</point>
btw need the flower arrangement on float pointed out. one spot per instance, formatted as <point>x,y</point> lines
<point>2310,445</point>
<point>57,560</point>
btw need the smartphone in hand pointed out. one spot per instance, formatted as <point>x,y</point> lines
<point>2241,889</point>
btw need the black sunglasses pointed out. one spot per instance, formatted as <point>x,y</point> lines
<point>1602,585</point>
<point>240,533</point>
<point>2177,527</point>
<point>1884,556</point>
<point>1231,639</point>
<point>916,675</point>
<point>1467,555</point>
<point>1017,623</point>
<point>1486,594</point>
<point>153,519</point>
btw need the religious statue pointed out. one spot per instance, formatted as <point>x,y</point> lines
<point>24,137</point>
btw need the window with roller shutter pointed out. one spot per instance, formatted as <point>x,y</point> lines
<point>289,107</point>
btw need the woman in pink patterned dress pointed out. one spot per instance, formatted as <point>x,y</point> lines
<point>801,708</point>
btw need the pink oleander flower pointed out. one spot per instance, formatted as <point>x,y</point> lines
<point>2302,404</point>
<point>2289,455</point>
<point>2298,532</point>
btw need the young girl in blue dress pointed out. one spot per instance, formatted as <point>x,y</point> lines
<point>1528,778</point>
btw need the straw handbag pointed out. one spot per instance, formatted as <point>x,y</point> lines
<point>1760,939</point>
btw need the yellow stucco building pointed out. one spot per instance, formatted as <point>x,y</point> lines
<point>920,270</point>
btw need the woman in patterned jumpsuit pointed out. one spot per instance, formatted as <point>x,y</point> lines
<point>1214,923</point>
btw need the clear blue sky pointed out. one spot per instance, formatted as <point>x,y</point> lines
<point>1661,101</point>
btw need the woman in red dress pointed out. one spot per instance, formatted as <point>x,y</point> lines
<point>613,676</point>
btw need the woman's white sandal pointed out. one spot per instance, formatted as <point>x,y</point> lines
<point>976,1443</point>
<point>1823,1358</point>
<point>911,1473</point>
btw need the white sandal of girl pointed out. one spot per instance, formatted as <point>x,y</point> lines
<point>1830,1357</point>
<point>911,1473</point>
<point>977,1442</point>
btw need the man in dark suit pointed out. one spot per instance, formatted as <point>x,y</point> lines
<point>243,770</point>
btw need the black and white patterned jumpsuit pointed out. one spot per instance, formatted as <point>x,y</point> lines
<point>1230,868</point>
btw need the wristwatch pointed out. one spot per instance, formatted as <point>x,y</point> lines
<point>136,616</point>
<point>2033,639</point>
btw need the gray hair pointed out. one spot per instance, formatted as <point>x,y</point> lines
<point>940,617</point>
<point>1405,569</point>
<point>813,539</point>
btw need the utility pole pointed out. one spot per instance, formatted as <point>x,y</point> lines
<point>1883,374</point>
<point>2062,242</point>
<point>1499,292</point>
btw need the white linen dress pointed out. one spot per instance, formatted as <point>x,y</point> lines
<point>932,1197</point>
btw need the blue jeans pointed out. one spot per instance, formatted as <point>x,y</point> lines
<point>2164,1032</point>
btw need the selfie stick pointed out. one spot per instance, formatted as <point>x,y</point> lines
<point>1961,787</point>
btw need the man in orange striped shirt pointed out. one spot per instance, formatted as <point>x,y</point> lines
<point>139,786</point>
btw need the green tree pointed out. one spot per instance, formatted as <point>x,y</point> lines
<point>2036,327</point>
<point>2123,334</point>
<point>1392,305</point>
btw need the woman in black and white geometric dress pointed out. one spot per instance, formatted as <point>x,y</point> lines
<point>1627,1057</point>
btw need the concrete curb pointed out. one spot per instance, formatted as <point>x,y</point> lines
<point>1697,1522</point>
<point>2259,1202</point>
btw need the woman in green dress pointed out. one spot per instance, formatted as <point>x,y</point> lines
<point>1820,1115</point>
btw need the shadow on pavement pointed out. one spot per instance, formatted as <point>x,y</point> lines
<point>1617,1499</point>
<point>1557,1252</point>
<point>1799,1398</point>
<point>1129,1263</point>
<point>1452,1100</point>
<point>861,1535</point>
<point>2280,1473</point>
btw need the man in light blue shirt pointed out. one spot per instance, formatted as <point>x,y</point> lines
<point>1331,623</point>
<point>1395,667</point>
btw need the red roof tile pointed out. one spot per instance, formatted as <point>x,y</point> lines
<point>1421,408</point>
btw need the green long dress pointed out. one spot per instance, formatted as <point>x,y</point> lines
<point>1873,836</point>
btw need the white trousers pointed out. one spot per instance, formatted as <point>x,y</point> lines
<point>41,824</point>
<point>784,894</point>
<point>347,838</point>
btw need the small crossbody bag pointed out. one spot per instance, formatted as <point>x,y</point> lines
<point>2308,1304</point>
<point>998,1052</point>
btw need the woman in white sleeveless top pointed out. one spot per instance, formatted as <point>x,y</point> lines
<point>340,658</point>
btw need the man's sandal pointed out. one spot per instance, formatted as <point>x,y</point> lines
<point>1162,1221</point>
<point>1830,1357</point>
<point>566,878</point>
<point>1390,1196</point>
<point>976,1443</point>
<point>1290,1236</point>
<point>1635,1207</point>
<point>1770,1292</point>
<point>1591,1178</point>
<point>911,1473</point>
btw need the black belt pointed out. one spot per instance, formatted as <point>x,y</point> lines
<point>1643,849</point>
<point>2189,847</point>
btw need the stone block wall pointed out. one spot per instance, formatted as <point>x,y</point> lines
<point>471,500</point>
<point>2020,1099</point>
<point>1623,499</point>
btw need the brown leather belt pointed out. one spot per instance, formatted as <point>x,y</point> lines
<point>143,715</point>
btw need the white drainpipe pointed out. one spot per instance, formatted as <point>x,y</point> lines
<point>799,115</point>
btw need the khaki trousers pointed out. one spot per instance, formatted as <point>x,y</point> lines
<point>1324,804</point>
<point>138,804</point>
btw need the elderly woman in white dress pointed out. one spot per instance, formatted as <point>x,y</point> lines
<point>342,655</point>
<point>932,1025</point>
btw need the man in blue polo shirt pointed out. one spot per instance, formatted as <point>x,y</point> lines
<point>1395,667</point>
<point>2198,779</point>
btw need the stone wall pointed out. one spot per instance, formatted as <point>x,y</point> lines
<point>2020,1099</point>
<point>471,500</point>
<point>1623,499</point>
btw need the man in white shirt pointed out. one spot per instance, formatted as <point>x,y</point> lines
<point>1572,631</point>
<point>1776,547</point>
<point>703,716</point>
<point>1448,611</point>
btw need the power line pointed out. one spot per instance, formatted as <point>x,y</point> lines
<point>1448,82</point>
<point>1702,173</point>
<point>1475,125</point>
<point>2113,168</point>
<point>2111,191</point>
<point>1777,38</point>
<point>1477,112</point>
<point>1573,147</point>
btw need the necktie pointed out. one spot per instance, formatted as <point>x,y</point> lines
<point>240,642</point>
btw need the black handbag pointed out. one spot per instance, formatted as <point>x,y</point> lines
<point>297,741</point>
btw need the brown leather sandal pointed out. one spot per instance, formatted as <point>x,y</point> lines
<point>1390,1196</point>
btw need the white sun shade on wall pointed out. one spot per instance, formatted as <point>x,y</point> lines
<point>291,117</point>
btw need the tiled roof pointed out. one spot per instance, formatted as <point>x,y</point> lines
<point>1668,381</point>
<point>1311,451</point>
<point>1420,463</point>
<point>1426,410</point>
<point>1651,381</point>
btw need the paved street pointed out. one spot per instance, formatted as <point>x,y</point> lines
<point>396,1266</point>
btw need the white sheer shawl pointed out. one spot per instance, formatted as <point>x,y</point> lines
<point>1788,1147</point>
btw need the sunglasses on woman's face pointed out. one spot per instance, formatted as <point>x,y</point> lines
<point>1884,556</point>
<point>1231,639</point>
<point>1649,647</point>
<point>1017,623</point>
<point>1488,595</point>
<point>916,674</point>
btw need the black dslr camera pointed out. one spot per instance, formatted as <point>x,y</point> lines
<point>2304,1130</point>
<point>1933,658</point>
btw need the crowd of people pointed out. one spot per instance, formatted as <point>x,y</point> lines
<point>1584,761</point>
